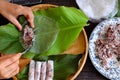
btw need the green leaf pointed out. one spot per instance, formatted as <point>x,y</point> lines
<point>55,30</point>
<point>70,22</point>
<point>46,32</point>
<point>118,13</point>
<point>64,66</point>
<point>9,39</point>
<point>28,55</point>
<point>23,75</point>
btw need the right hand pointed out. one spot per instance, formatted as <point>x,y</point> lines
<point>12,11</point>
<point>9,65</point>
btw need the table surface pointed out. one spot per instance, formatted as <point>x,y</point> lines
<point>88,72</point>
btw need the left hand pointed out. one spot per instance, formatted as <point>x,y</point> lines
<point>9,65</point>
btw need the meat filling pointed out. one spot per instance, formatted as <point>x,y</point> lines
<point>28,36</point>
<point>108,44</point>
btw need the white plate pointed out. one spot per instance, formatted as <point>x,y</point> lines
<point>113,72</point>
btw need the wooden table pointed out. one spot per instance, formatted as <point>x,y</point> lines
<point>88,72</point>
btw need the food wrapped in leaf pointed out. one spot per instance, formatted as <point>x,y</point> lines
<point>28,36</point>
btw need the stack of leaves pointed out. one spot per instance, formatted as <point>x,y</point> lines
<point>55,31</point>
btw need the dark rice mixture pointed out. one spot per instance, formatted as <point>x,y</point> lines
<point>108,44</point>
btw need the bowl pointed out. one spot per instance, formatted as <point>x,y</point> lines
<point>98,11</point>
<point>107,64</point>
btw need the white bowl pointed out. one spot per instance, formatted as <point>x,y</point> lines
<point>95,10</point>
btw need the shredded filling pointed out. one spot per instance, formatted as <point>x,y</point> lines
<point>108,44</point>
<point>28,36</point>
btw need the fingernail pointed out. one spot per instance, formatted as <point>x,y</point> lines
<point>32,25</point>
<point>20,29</point>
<point>19,54</point>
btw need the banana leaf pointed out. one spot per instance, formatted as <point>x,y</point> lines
<point>64,66</point>
<point>9,40</point>
<point>70,22</point>
<point>46,32</point>
<point>55,30</point>
<point>118,13</point>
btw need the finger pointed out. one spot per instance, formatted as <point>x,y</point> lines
<point>31,20</point>
<point>16,23</point>
<point>6,72</point>
<point>6,56</point>
<point>10,60</point>
<point>12,73</point>
<point>30,17</point>
<point>11,68</point>
<point>13,19</point>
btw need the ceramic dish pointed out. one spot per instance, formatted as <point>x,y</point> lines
<point>90,10</point>
<point>113,73</point>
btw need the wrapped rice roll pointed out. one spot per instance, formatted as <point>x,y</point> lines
<point>31,70</point>
<point>37,70</point>
<point>50,70</point>
<point>43,71</point>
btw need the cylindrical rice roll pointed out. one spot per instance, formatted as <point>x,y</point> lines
<point>43,71</point>
<point>50,70</point>
<point>37,70</point>
<point>31,70</point>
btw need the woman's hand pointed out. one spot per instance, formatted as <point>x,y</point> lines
<point>12,11</point>
<point>9,65</point>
